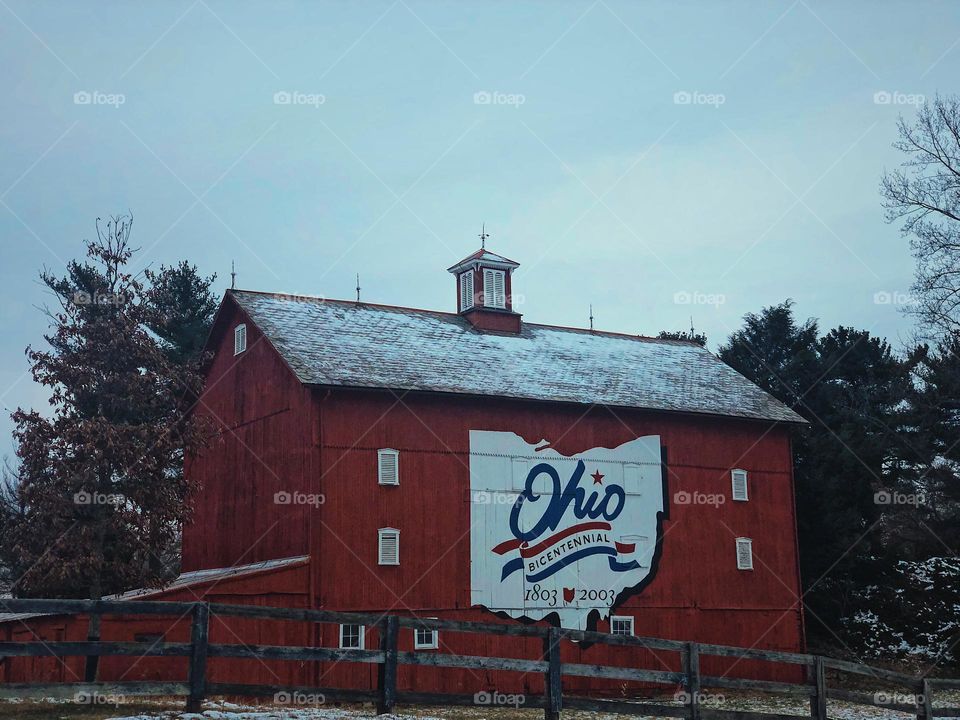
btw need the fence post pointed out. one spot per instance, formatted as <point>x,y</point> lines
<point>818,703</point>
<point>387,672</point>
<point>199,639</point>
<point>925,701</point>
<point>692,656</point>
<point>93,635</point>
<point>553,689</point>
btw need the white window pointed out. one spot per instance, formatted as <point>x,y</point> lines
<point>494,289</point>
<point>632,481</point>
<point>739,480</point>
<point>389,546</point>
<point>425,638</point>
<point>351,637</point>
<point>621,625</point>
<point>744,554</point>
<point>466,290</point>
<point>239,339</point>
<point>388,467</point>
<point>520,469</point>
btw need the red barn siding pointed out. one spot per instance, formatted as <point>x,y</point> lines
<point>267,442</point>
<point>697,594</point>
<point>284,587</point>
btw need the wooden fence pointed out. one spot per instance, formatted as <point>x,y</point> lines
<point>916,698</point>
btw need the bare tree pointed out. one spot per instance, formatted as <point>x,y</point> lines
<point>924,193</point>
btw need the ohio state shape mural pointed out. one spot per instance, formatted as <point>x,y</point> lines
<point>558,534</point>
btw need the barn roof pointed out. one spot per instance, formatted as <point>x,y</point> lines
<point>184,580</point>
<point>340,343</point>
<point>483,255</point>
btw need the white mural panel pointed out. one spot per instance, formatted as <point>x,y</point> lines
<point>558,534</point>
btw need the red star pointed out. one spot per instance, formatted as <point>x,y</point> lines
<point>597,478</point>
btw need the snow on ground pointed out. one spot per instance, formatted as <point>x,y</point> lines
<point>741,701</point>
<point>221,710</point>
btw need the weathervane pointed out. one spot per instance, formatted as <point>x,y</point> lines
<point>591,316</point>
<point>233,275</point>
<point>483,236</point>
<point>358,287</point>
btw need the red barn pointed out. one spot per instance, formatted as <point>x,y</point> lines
<point>469,465</point>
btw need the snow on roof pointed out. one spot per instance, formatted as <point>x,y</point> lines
<point>187,579</point>
<point>340,343</point>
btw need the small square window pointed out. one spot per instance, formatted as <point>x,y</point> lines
<point>426,638</point>
<point>351,637</point>
<point>239,339</point>
<point>744,554</point>
<point>738,479</point>
<point>621,625</point>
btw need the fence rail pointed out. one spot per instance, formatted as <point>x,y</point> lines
<point>919,691</point>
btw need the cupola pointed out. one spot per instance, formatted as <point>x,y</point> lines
<point>485,292</point>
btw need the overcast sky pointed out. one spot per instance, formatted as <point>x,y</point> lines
<point>658,160</point>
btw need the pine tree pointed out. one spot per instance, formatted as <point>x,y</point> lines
<point>685,335</point>
<point>180,309</point>
<point>102,487</point>
<point>850,387</point>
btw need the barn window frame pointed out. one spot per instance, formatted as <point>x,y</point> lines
<point>616,624</point>
<point>740,474</point>
<point>744,564</point>
<point>425,638</point>
<point>467,297</point>
<point>350,640</point>
<point>493,298</point>
<point>383,559</point>
<point>239,338</point>
<point>383,474</point>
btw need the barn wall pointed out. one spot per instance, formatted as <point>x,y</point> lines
<point>267,439</point>
<point>697,594</point>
